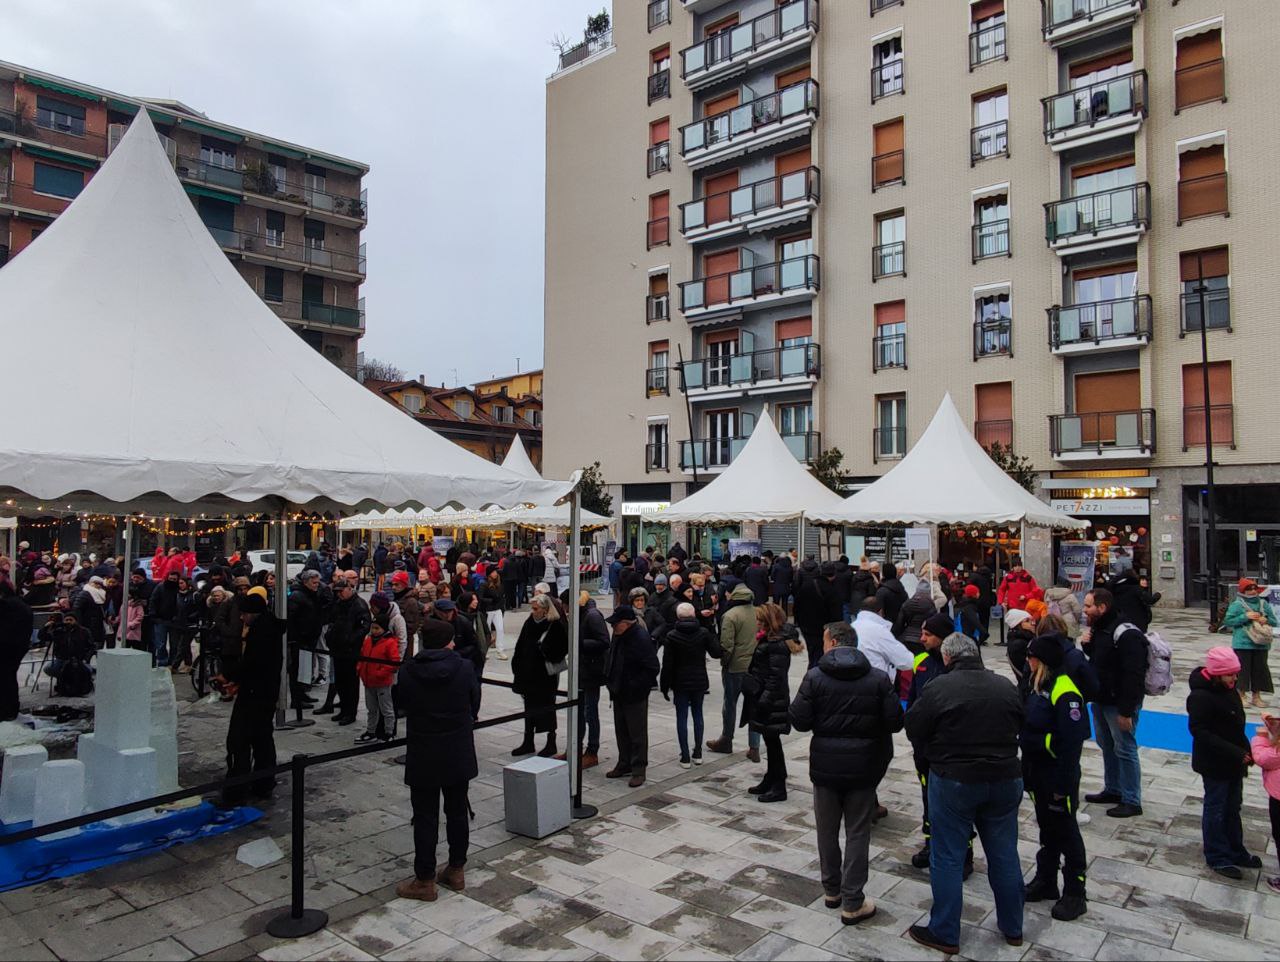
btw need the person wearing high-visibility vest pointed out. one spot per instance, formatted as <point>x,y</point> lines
<point>1057,725</point>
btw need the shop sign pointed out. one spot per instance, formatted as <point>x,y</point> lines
<point>1086,506</point>
<point>631,508</point>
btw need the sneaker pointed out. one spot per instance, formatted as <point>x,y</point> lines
<point>1273,883</point>
<point>1229,871</point>
<point>1103,798</point>
<point>720,746</point>
<point>753,755</point>
<point>697,758</point>
<point>860,914</point>
<point>684,762</point>
<point>1069,908</point>
<point>1125,810</point>
<point>502,656</point>
<point>926,938</point>
<point>367,737</point>
<point>1083,818</point>
<point>1250,861</point>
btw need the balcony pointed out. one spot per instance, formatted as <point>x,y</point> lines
<point>888,350</point>
<point>347,318</point>
<point>1112,325</point>
<point>1109,218</point>
<point>889,260</point>
<point>987,141</point>
<point>702,6</point>
<point>274,250</point>
<point>1107,435</point>
<point>1203,197</point>
<point>754,372</point>
<point>659,14</point>
<point>266,190</point>
<point>70,136</point>
<point>888,169</point>
<point>783,282</point>
<point>1088,115</point>
<point>659,158</point>
<point>655,457</point>
<point>993,338</point>
<point>657,232</point>
<point>787,28</point>
<point>1216,307</point>
<point>888,79</point>
<point>888,444</point>
<point>878,5</point>
<point>712,455</point>
<point>657,381</point>
<point>991,240</point>
<point>658,85</point>
<point>752,208</point>
<point>197,171</point>
<point>1066,21</point>
<point>657,307</point>
<point>784,115</point>
<point>986,45</point>
<point>988,433</point>
<point>1222,423</point>
<point>590,46</point>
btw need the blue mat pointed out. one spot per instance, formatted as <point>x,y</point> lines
<point>37,860</point>
<point>1168,730</point>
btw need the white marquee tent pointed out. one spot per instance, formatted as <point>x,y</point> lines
<point>946,478</point>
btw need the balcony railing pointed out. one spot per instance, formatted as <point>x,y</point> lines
<point>1203,197</point>
<point>750,200</point>
<point>1090,214</point>
<point>991,240</point>
<point>590,45</point>
<point>658,232</point>
<point>705,453</point>
<point>349,317</point>
<point>1058,14</point>
<point>878,5</point>
<point>888,260</point>
<point>992,338</point>
<point>800,362</point>
<point>276,248</point>
<point>1217,308</point>
<point>1221,421</point>
<point>888,350</point>
<point>1103,432</point>
<point>888,444</point>
<point>657,380</point>
<point>989,140</point>
<point>659,158</point>
<point>741,41</point>
<point>1083,108</point>
<point>69,137</point>
<point>259,180</point>
<point>1099,321</point>
<point>795,274</point>
<point>655,457</point>
<point>750,117</point>
<point>1200,83</point>
<point>657,307</point>
<point>659,13</point>
<point>988,433</point>
<point>888,169</point>
<point>888,79</point>
<point>215,175</point>
<point>659,85</point>
<point>986,45</point>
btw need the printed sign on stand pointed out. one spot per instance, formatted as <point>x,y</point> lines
<point>1076,561</point>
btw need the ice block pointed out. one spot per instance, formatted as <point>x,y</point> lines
<point>164,729</point>
<point>122,718</point>
<point>18,786</point>
<point>59,795</point>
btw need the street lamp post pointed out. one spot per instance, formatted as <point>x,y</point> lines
<point>1210,509</point>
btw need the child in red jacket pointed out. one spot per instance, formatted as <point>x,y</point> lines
<point>377,679</point>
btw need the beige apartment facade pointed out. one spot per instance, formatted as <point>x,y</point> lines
<point>832,214</point>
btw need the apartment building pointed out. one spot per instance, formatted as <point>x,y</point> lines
<point>289,217</point>
<point>832,213</point>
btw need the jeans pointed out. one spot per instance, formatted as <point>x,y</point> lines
<point>688,703</point>
<point>631,723</point>
<point>955,809</point>
<point>1060,841</point>
<point>1220,822</point>
<point>1121,770</point>
<point>846,875</point>
<point>522,593</point>
<point>160,643</point>
<point>732,690</point>
<point>426,826</point>
<point>589,720</point>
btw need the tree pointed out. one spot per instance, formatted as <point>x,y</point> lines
<point>591,491</point>
<point>826,468</point>
<point>598,25</point>
<point>375,370</point>
<point>1014,465</point>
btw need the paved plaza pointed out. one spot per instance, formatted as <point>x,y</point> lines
<point>689,866</point>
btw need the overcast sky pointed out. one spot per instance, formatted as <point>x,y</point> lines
<point>444,100</point>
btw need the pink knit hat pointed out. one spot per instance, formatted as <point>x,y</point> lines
<point>1221,661</point>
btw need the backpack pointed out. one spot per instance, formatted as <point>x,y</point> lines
<point>75,680</point>
<point>1055,608</point>
<point>1159,677</point>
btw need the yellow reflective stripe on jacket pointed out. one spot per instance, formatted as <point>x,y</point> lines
<point>1047,746</point>
<point>1063,685</point>
<point>919,660</point>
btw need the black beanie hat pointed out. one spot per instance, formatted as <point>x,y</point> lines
<point>1048,648</point>
<point>939,625</point>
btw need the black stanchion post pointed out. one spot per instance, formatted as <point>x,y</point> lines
<point>298,921</point>
<point>574,753</point>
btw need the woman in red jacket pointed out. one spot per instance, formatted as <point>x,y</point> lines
<point>377,675</point>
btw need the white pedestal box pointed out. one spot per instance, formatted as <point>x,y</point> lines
<point>536,795</point>
<point>18,786</point>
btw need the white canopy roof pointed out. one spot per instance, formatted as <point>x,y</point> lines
<point>517,461</point>
<point>946,478</point>
<point>175,382</point>
<point>764,482</point>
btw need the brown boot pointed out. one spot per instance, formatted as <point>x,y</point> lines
<point>720,745</point>
<point>453,878</point>
<point>637,778</point>
<point>753,755</point>
<point>590,761</point>
<point>416,888</point>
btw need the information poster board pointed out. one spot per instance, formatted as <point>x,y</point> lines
<point>1076,561</point>
<point>441,544</point>
<point>739,547</point>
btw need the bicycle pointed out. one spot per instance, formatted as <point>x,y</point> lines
<point>208,664</point>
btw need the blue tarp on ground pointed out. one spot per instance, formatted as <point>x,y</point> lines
<point>98,844</point>
<point>1168,730</point>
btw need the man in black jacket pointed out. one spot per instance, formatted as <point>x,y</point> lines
<point>1120,660</point>
<point>966,725</point>
<point>464,633</point>
<point>1133,599</point>
<point>818,603</point>
<point>306,620</point>
<point>440,695</point>
<point>853,713</point>
<point>16,622</point>
<point>844,587</point>
<point>347,632</point>
<point>255,670</point>
<point>756,577</point>
<point>891,594</point>
<point>163,610</point>
<point>593,648</point>
<point>631,671</point>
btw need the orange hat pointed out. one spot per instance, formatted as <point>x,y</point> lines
<point>1036,609</point>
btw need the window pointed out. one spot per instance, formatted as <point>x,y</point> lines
<point>658,230</point>
<point>658,302</point>
<point>462,406</point>
<point>535,418</point>
<point>991,226</point>
<point>656,446</point>
<point>659,13</point>
<point>217,153</point>
<point>1206,289</point>
<point>314,178</point>
<point>990,134</point>
<point>722,430</point>
<point>503,413</point>
<point>658,381</point>
<point>993,413</point>
<point>992,324</point>
<point>888,159</point>
<point>987,36</point>
<point>1221,422</point>
<point>58,181</point>
<point>888,256</point>
<point>275,229</point>
<point>889,344</point>
<point>890,435</point>
<point>721,347</point>
<point>887,68</point>
<point>313,231</point>
<point>795,419</point>
<point>796,332</point>
<point>1202,182</point>
<point>411,402</point>
<point>1102,176</point>
<point>1200,76</point>
<point>278,167</point>
<point>659,146</point>
<point>312,289</point>
<point>659,83</point>
<point>272,284</point>
<point>60,116</point>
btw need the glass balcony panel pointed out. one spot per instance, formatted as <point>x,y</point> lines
<point>739,120</point>
<point>1121,208</point>
<point>740,369</point>
<point>736,445</point>
<point>793,99</point>
<point>1120,96</point>
<point>694,294</point>
<point>796,445</point>
<point>792,17</point>
<point>794,186</point>
<point>695,214</point>
<point>740,285</point>
<point>765,195</point>
<point>1070,435</point>
<point>694,375</point>
<point>792,361</point>
<point>692,136</point>
<point>1124,318</point>
<point>1126,429</point>
<point>794,273</point>
<point>1064,112</point>
<point>740,202</point>
<point>740,39</point>
<point>1069,325</point>
<point>695,58</point>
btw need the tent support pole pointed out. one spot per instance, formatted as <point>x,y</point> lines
<point>800,537</point>
<point>124,579</point>
<point>639,535</point>
<point>573,741</point>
